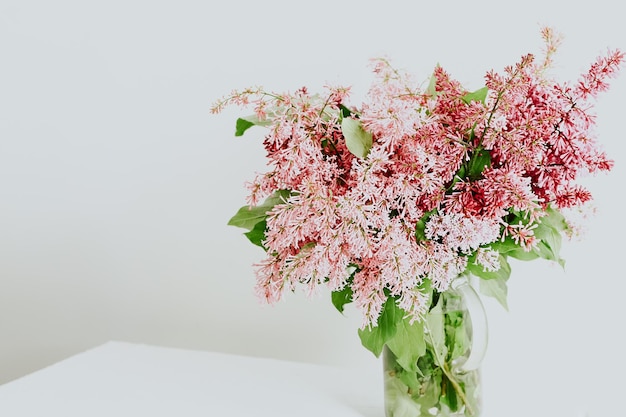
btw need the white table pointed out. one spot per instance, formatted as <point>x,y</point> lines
<point>130,380</point>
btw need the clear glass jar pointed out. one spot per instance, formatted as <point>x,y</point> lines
<point>445,381</point>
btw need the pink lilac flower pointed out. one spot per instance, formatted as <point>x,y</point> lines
<point>522,234</point>
<point>595,80</point>
<point>489,259</point>
<point>460,168</point>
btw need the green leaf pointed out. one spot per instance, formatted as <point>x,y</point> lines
<point>374,338</point>
<point>408,378</point>
<point>430,391</point>
<point>554,219</point>
<point>550,245</point>
<point>549,231</point>
<point>544,251</point>
<point>420,226</point>
<point>247,217</point>
<point>480,160</point>
<point>435,331</point>
<point>427,367</point>
<point>457,334</point>
<point>408,344</point>
<point>345,112</point>
<point>508,247</point>
<point>504,246</point>
<point>245,123</point>
<point>342,297</point>
<point>257,234</point>
<point>479,95</point>
<point>493,284</point>
<point>241,126</point>
<point>495,288</point>
<point>431,90</point>
<point>434,300</point>
<point>503,273</point>
<point>399,401</point>
<point>450,397</point>
<point>358,141</point>
<point>523,255</point>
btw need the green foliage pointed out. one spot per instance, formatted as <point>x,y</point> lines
<point>253,218</point>
<point>494,283</point>
<point>247,217</point>
<point>458,336</point>
<point>424,379</point>
<point>450,397</point>
<point>245,123</point>
<point>342,297</point>
<point>497,289</point>
<point>257,234</point>
<point>344,111</point>
<point>503,273</point>
<point>549,231</point>
<point>431,90</point>
<point>408,344</point>
<point>479,95</point>
<point>398,398</point>
<point>480,160</point>
<point>435,328</point>
<point>420,226</point>
<point>242,125</point>
<point>508,247</point>
<point>555,220</point>
<point>358,141</point>
<point>375,338</point>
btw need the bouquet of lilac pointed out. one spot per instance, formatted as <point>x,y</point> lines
<point>388,202</point>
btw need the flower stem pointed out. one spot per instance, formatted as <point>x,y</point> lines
<point>447,372</point>
<point>457,388</point>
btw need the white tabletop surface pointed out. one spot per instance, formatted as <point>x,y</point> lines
<point>123,379</point>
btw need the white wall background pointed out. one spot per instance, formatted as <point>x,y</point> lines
<point>116,184</point>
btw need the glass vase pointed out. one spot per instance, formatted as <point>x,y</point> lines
<point>445,380</point>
